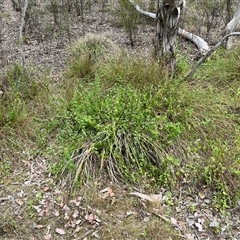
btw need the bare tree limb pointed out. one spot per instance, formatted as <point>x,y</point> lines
<point>231,26</point>
<point>203,59</point>
<point>201,44</point>
<point>149,14</point>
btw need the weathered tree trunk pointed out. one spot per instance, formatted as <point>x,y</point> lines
<point>202,45</point>
<point>231,26</point>
<point>229,10</point>
<point>167,16</point>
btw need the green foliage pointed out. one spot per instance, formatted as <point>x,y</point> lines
<point>216,172</point>
<point>133,123</point>
<point>222,70</point>
<point>88,52</point>
<point>127,70</point>
<point>24,98</point>
<point>8,223</point>
<point>118,123</point>
<point>5,169</point>
<point>125,119</point>
<point>21,87</point>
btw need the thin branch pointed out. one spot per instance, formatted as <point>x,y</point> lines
<point>149,14</point>
<point>203,59</point>
<point>22,22</point>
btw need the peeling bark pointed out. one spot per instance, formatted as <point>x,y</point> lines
<point>200,43</point>
<point>167,17</point>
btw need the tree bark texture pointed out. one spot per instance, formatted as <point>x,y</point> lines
<point>231,26</point>
<point>167,16</point>
<point>201,44</point>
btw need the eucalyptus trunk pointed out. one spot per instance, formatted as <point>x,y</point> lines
<point>168,15</point>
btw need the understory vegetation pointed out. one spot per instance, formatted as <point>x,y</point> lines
<point>124,118</point>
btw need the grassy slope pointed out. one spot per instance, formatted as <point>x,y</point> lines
<point>124,119</point>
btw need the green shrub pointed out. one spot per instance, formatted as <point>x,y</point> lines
<point>132,123</point>
<point>116,127</point>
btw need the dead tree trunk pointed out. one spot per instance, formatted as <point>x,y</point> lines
<point>231,26</point>
<point>168,15</point>
<point>202,45</point>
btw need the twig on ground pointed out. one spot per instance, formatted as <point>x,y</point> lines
<point>4,199</point>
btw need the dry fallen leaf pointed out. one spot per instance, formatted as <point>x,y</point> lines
<point>199,226</point>
<point>42,212</point>
<point>110,193</point>
<point>39,226</point>
<point>66,217</point>
<point>214,224</point>
<point>78,221</point>
<point>174,221</point>
<point>90,217</point>
<point>151,197</point>
<point>60,231</point>
<point>130,213</point>
<point>72,223</point>
<point>47,237</point>
<point>56,213</point>
<point>189,236</point>
<point>46,189</point>
<point>93,219</point>
<point>76,201</point>
<point>19,202</point>
<point>75,213</point>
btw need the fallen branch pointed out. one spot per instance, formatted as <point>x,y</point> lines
<point>151,197</point>
<point>201,44</point>
<point>203,59</point>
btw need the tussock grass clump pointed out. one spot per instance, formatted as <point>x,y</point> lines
<point>24,97</point>
<point>222,70</point>
<point>112,126</point>
<point>126,119</point>
<point>136,72</point>
<point>132,123</point>
<point>88,51</point>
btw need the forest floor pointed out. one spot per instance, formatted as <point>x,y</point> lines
<point>34,205</point>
